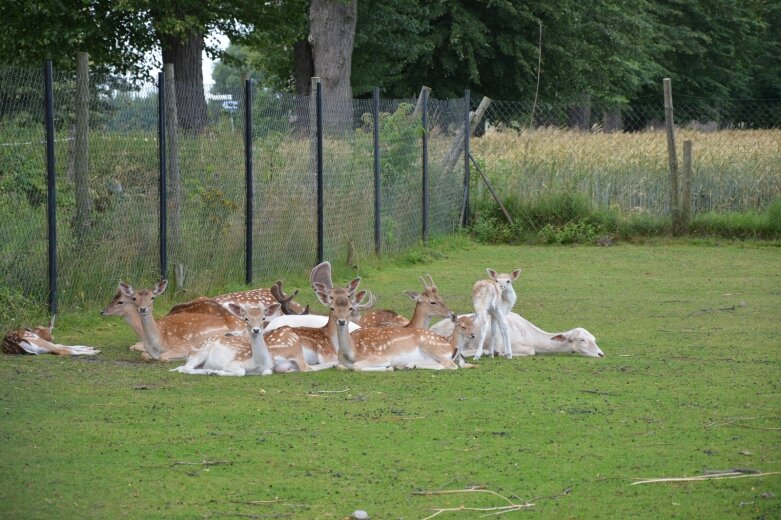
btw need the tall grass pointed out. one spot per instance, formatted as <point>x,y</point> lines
<point>733,170</point>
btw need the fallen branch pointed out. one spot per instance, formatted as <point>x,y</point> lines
<point>715,476</point>
<point>202,463</point>
<point>497,510</point>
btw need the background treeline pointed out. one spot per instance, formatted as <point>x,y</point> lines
<point>610,50</point>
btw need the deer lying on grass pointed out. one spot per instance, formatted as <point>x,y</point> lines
<point>526,339</point>
<point>256,354</point>
<point>428,304</point>
<point>39,340</point>
<point>321,344</point>
<point>176,335</point>
<point>493,300</point>
<point>386,348</point>
<point>320,279</point>
<point>121,305</point>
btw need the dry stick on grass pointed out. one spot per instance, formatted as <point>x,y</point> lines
<point>202,463</point>
<point>498,510</point>
<point>715,476</point>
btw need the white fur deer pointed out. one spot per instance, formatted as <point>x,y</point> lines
<point>526,339</point>
<point>493,300</point>
<point>226,355</point>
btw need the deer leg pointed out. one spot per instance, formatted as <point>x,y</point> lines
<point>370,366</point>
<point>481,322</point>
<point>504,330</point>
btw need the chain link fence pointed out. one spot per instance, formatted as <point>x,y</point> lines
<point>206,187</point>
<point>616,157</point>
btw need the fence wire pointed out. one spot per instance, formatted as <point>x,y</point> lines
<point>617,157</point>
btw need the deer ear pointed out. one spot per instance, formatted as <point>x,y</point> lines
<point>324,297</point>
<point>126,289</point>
<point>273,309</point>
<point>235,309</point>
<point>353,285</point>
<point>515,274</point>
<point>160,287</point>
<point>413,295</point>
<point>491,273</point>
<point>559,337</point>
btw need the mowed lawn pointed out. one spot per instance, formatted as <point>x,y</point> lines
<point>691,383</point>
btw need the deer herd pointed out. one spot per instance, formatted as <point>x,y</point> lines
<point>264,331</point>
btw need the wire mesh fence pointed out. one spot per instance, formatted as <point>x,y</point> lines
<point>618,158</point>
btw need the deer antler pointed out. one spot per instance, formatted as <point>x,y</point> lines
<point>321,273</point>
<point>429,284</point>
<point>361,296</point>
<point>282,298</point>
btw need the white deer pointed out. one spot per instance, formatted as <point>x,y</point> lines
<point>494,299</point>
<point>526,339</point>
<point>226,355</point>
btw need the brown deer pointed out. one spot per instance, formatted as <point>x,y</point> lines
<point>39,340</point>
<point>428,304</point>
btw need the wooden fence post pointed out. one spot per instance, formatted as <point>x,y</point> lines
<point>671,154</point>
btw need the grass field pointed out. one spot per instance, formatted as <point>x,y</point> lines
<point>691,382</point>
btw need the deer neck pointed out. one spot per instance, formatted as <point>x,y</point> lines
<point>261,357</point>
<point>508,298</point>
<point>546,345</point>
<point>133,318</point>
<point>345,348</point>
<point>420,319</point>
<point>532,336</point>
<point>153,341</point>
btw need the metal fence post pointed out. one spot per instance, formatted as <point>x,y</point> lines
<point>320,230</point>
<point>424,123</point>
<point>377,192</point>
<point>51,183</point>
<point>162,188</point>
<point>467,134</point>
<point>248,179</point>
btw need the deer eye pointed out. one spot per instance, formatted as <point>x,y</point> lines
<point>120,302</point>
<point>433,303</point>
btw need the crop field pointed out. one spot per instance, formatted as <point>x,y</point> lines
<point>732,170</point>
<point>690,385</point>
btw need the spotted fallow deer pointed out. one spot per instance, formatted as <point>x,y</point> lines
<point>256,353</point>
<point>121,305</point>
<point>178,334</point>
<point>386,348</point>
<point>320,344</point>
<point>39,340</point>
<point>428,304</point>
<point>493,299</point>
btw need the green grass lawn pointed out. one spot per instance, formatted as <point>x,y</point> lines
<point>691,382</point>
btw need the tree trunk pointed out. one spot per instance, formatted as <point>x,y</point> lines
<point>190,100</point>
<point>332,34</point>
<point>579,115</point>
<point>303,70</point>
<point>612,121</point>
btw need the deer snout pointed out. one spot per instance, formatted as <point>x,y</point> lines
<point>256,330</point>
<point>143,310</point>
<point>341,323</point>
